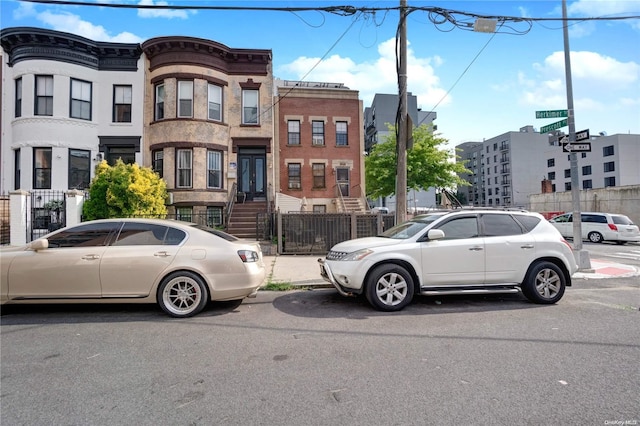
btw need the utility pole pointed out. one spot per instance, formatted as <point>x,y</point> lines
<point>582,256</point>
<point>401,122</point>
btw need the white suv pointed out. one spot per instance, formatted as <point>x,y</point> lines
<point>462,251</point>
<point>599,227</point>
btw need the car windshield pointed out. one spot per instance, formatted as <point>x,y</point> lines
<point>410,228</point>
<point>216,232</point>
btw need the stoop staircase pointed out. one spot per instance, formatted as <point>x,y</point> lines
<point>242,222</point>
<point>353,205</point>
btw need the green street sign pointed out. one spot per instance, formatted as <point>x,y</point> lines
<point>555,126</point>
<point>555,113</point>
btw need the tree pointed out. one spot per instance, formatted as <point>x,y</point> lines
<point>428,165</point>
<point>125,190</point>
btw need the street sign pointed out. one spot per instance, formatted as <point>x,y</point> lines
<point>576,147</point>
<point>555,126</point>
<point>556,113</point>
<point>582,135</point>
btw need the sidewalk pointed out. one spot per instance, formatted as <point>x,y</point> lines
<point>304,270</point>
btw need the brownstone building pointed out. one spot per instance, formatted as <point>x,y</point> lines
<point>320,162</point>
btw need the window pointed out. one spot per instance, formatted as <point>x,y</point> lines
<point>215,102</point>
<point>185,98</point>
<point>159,111</point>
<point>319,208</point>
<point>16,168</point>
<point>461,227</point>
<point>610,181</point>
<point>79,168</point>
<point>122,104</point>
<point>214,216</point>
<point>318,175</point>
<point>586,170</point>
<point>80,99</point>
<point>587,184</point>
<point>18,101</point>
<point>184,164</point>
<point>500,225</point>
<point>341,134</point>
<point>551,162</point>
<point>607,151</point>
<point>610,166</point>
<point>293,132</point>
<point>249,106</point>
<point>567,173</point>
<point>44,95</point>
<point>214,169</point>
<point>294,175</point>
<point>317,132</point>
<point>184,213</point>
<point>86,235</point>
<point>42,168</point>
<point>551,175</point>
<point>567,186</point>
<point>158,162</point>
<point>141,234</point>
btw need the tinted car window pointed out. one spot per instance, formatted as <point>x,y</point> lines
<point>88,235</point>
<point>495,225</point>
<point>621,220</point>
<point>562,218</point>
<point>460,227</point>
<point>593,218</point>
<point>528,222</point>
<point>141,234</point>
<point>174,236</point>
<point>216,232</point>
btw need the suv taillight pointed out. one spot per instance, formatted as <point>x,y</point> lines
<point>613,227</point>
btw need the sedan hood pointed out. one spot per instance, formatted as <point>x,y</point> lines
<point>363,243</point>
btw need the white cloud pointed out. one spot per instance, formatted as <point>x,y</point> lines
<point>379,76</point>
<point>70,23</point>
<point>594,8</point>
<point>161,13</point>
<point>24,10</point>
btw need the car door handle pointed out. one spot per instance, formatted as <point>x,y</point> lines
<point>91,257</point>
<point>527,246</point>
<point>162,254</point>
<point>476,248</point>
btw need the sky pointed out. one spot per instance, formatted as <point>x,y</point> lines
<point>481,85</point>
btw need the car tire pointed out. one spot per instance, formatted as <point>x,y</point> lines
<point>182,294</point>
<point>544,284</point>
<point>389,288</point>
<point>595,237</point>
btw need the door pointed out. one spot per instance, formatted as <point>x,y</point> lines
<point>252,173</point>
<point>342,177</point>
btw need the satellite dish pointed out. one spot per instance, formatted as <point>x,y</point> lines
<point>603,133</point>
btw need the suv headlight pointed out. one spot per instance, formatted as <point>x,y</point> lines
<point>358,255</point>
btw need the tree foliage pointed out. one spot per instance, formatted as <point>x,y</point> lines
<point>428,165</point>
<point>125,190</point>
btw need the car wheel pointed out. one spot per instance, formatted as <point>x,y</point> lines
<point>595,237</point>
<point>182,294</point>
<point>545,283</point>
<point>389,288</point>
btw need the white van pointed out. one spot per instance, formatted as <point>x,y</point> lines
<point>383,210</point>
<point>599,227</point>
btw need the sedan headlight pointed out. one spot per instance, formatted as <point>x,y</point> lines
<point>248,256</point>
<point>358,255</point>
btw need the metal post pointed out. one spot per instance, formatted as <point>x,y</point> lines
<point>401,178</point>
<point>582,256</point>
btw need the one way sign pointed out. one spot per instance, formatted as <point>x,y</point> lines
<point>576,147</point>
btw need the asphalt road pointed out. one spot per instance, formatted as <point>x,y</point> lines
<point>312,357</point>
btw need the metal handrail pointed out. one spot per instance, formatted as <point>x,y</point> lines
<point>232,197</point>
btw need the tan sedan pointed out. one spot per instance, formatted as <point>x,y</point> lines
<point>179,265</point>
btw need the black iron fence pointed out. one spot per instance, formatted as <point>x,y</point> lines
<point>47,213</point>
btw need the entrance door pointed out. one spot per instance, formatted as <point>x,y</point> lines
<point>252,173</point>
<point>342,176</point>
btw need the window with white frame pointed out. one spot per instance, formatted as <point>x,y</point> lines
<point>341,133</point>
<point>215,102</point>
<point>317,132</point>
<point>79,168</point>
<point>293,132</point>
<point>80,99</point>
<point>122,99</point>
<point>42,168</point>
<point>158,162</point>
<point>184,164</point>
<point>214,169</point>
<point>18,101</point>
<point>250,106</point>
<point>294,175</point>
<point>159,102</point>
<point>185,98</point>
<point>44,95</point>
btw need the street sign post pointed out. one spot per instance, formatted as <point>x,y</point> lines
<point>555,126</point>
<point>576,147</point>
<point>556,113</point>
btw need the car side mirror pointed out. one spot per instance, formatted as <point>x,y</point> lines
<point>39,244</point>
<point>435,234</point>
